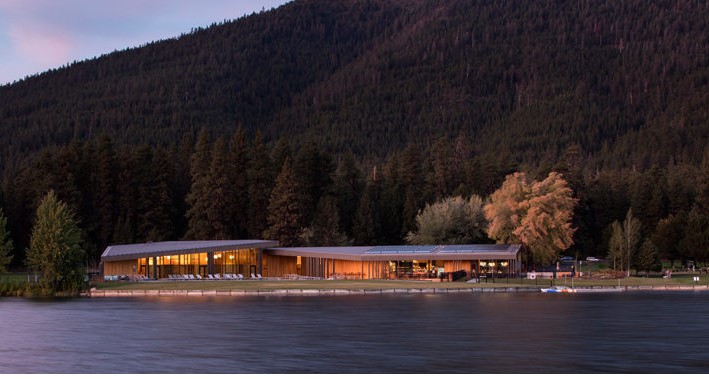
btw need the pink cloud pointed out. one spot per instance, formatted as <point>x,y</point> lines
<point>39,45</point>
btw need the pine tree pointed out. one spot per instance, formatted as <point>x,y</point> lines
<point>260,183</point>
<point>392,202</point>
<point>648,258</point>
<point>325,229</point>
<point>285,212</point>
<point>237,170</point>
<point>6,245</point>
<point>219,194</point>
<point>313,171</point>
<point>104,193</point>
<point>157,218</point>
<point>366,225</point>
<point>198,198</point>
<point>348,187</point>
<point>55,247</point>
<point>411,183</point>
<point>695,243</point>
<point>668,234</point>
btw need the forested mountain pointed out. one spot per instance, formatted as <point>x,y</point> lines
<point>379,107</point>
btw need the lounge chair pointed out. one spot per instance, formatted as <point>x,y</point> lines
<point>185,277</point>
<point>199,277</point>
<point>210,277</point>
<point>259,277</point>
<point>217,277</point>
<point>239,276</point>
<point>253,276</point>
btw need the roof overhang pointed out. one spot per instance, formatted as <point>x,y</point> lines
<point>157,249</point>
<point>394,253</point>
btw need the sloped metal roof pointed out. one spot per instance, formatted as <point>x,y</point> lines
<point>403,252</point>
<point>155,249</point>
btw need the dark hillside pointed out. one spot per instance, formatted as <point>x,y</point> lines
<point>378,107</point>
<point>375,75</point>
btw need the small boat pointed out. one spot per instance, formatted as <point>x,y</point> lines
<point>555,289</point>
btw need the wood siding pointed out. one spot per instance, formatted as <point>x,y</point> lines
<point>120,267</point>
<point>278,266</point>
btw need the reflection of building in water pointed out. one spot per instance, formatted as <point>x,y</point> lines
<point>258,257</point>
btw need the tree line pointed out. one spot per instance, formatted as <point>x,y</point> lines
<point>210,187</point>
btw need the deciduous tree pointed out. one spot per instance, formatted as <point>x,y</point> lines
<point>536,214</point>
<point>452,220</point>
<point>55,247</point>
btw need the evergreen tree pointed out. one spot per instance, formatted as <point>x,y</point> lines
<point>55,247</point>
<point>695,243</point>
<point>6,245</point>
<point>281,152</point>
<point>392,202</point>
<point>441,178</point>
<point>156,222</point>
<point>219,194</point>
<point>260,183</point>
<point>648,258</point>
<point>702,197</point>
<point>668,234</point>
<point>313,171</point>
<point>325,229</point>
<point>181,183</point>
<point>412,187</point>
<point>285,212</point>
<point>236,172</point>
<point>198,198</point>
<point>348,187</point>
<point>104,190</point>
<point>127,191</point>
<point>366,226</point>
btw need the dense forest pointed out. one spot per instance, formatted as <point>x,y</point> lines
<point>360,113</point>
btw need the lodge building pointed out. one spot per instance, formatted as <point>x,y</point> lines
<point>250,258</point>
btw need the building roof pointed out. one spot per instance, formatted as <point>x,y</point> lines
<point>154,249</point>
<point>403,252</point>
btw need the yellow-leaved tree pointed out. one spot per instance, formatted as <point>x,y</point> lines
<point>536,214</point>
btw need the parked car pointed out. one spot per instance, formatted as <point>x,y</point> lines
<point>567,259</point>
<point>592,259</point>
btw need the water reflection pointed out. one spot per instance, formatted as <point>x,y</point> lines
<point>455,333</point>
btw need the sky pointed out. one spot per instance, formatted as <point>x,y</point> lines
<point>38,35</point>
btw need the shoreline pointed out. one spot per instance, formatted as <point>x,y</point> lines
<point>352,292</point>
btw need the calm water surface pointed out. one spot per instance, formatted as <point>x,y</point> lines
<point>437,333</point>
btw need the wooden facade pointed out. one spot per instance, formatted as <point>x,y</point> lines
<point>357,262</point>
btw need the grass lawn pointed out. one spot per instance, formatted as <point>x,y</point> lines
<point>16,277</point>
<point>253,285</point>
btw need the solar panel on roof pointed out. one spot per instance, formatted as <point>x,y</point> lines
<point>402,249</point>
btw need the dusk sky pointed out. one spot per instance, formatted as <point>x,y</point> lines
<point>37,35</point>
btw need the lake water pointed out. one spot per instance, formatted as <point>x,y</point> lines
<point>438,333</point>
